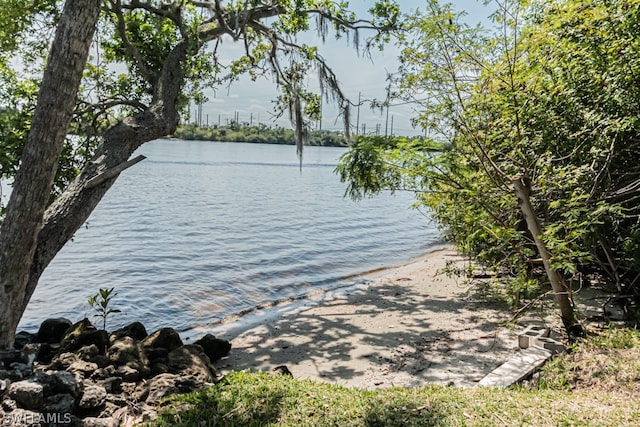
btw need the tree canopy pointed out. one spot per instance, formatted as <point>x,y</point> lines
<point>549,98</point>
<point>148,59</point>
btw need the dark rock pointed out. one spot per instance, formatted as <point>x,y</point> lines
<point>47,352</point>
<point>162,338</point>
<point>128,374</point>
<point>213,347</point>
<point>155,354</point>
<point>164,385</point>
<point>59,404</point>
<point>160,366</point>
<point>88,352</point>
<point>282,370</point>
<point>113,385</point>
<point>66,383</point>
<point>101,360</point>
<point>27,394</point>
<point>102,373</point>
<point>52,331</point>
<point>135,330</point>
<point>82,334</point>
<point>22,338</point>
<point>24,369</point>
<point>128,352</point>
<point>7,357</point>
<point>93,397</point>
<point>191,360</point>
<point>11,375</point>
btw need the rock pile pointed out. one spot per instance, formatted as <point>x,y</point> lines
<point>78,375</point>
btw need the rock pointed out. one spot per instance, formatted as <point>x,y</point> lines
<point>98,422</point>
<point>27,394</point>
<point>128,374</point>
<point>22,338</point>
<point>47,352</point>
<point>62,361</point>
<point>167,384</point>
<point>135,330</point>
<point>101,360</point>
<point>108,410</point>
<point>59,404</point>
<point>66,383</point>
<point>140,414</point>
<point>162,338</point>
<point>160,366</point>
<point>9,405</point>
<point>83,368</point>
<point>282,370</point>
<point>128,352</point>
<point>7,357</point>
<point>24,369</point>
<point>84,333</point>
<point>113,385</point>
<point>4,386</point>
<point>88,352</point>
<point>155,354</point>
<point>52,331</point>
<point>93,397</point>
<point>213,347</point>
<point>191,360</point>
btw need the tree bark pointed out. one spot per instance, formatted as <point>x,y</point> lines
<point>560,289</point>
<point>32,186</point>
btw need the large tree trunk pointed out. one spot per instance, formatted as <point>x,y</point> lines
<point>39,162</point>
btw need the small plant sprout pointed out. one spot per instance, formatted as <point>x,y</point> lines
<point>100,303</point>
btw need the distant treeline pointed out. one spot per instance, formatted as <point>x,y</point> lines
<point>263,134</point>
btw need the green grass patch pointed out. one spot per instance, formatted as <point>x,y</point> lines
<point>562,397</point>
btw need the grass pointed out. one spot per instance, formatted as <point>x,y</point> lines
<point>597,384</point>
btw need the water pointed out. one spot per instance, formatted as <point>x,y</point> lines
<point>202,230</point>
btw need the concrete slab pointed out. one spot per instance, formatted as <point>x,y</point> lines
<point>521,365</point>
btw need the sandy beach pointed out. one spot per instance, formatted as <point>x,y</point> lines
<point>403,326</point>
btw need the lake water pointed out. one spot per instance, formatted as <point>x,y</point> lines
<point>202,230</point>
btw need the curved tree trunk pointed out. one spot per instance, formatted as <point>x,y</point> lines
<point>73,207</point>
<point>39,162</point>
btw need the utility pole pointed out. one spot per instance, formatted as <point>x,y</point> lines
<point>386,123</point>
<point>320,124</point>
<point>358,115</point>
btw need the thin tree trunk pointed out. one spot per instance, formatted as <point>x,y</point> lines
<point>39,162</point>
<point>560,289</point>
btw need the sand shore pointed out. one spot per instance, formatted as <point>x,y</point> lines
<point>406,326</point>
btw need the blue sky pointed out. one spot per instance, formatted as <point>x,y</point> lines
<point>252,101</point>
